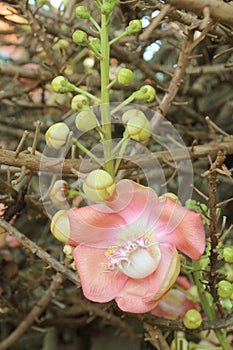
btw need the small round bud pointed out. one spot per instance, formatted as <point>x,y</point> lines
<point>56,135</point>
<point>146,93</point>
<point>61,85</point>
<point>57,193</point>
<point>79,103</point>
<point>99,186</point>
<point>125,76</point>
<point>228,254</point>
<point>60,226</point>
<point>82,12</point>
<point>80,37</point>
<point>132,113</point>
<point>192,319</point>
<point>225,289</point>
<point>135,26</point>
<point>85,120</point>
<point>95,44</point>
<point>68,251</point>
<point>61,44</point>
<point>138,128</point>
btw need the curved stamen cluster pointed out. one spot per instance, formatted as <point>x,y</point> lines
<point>120,253</point>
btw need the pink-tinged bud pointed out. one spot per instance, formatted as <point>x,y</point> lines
<point>60,226</point>
<point>57,194</point>
<point>99,186</point>
<point>192,319</point>
<point>56,135</point>
<point>138,128</point>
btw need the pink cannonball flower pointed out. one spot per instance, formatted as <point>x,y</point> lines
<point>175,303</point>
<point>127,249</point>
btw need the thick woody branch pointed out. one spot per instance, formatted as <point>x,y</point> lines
<point>219,10</point>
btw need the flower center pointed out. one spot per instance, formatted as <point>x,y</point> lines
<point>136,258</point>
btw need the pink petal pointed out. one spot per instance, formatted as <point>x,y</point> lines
<point>91,223</point>
<point>183,228</point>
<point>97,285</point>
<point>142,295</point>
<point>134,202</point>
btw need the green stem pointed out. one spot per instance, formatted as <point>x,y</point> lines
<point>123,144</point>
<point>117,38</point>
<point>207,306</point>
<point>86,151</point>
<point>105,97</point>
<point>124,103</point>
<point>93,21</point>
<point>88,94</point>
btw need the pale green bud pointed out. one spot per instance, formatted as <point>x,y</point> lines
<point>85,120</point>
<point>99,186</point>
<point>56,136</point>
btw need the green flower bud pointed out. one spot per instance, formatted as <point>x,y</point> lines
<point>95,44</point>
<point>135,26</point>
<point>99,186</point>
<point>61,85</point>
<point>61,44</point>
<point>86,120</point>
<point>79,103</point>
<point>132,113</point>
<point>80,37</point>
<point>57,193</point>
<point>228,254</point>
<point>138,128</point>
<point>225,289</point>
<point>146,93</point>
<point>68,251</point>
<point>56,135</point>
<point>82,12</point>
<point>192,319</point>
<point>125,76</point>
<point>60,226</point>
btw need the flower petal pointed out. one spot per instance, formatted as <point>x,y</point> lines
<point>91,223</point>
<point>97,285</point>
<point>142,295</point>
<point>183,228</point>
<point>134,202</point>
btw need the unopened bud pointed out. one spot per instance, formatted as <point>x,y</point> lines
<point>79,103</point>
<point>99,186</point>
<point>125,76</point>
<point>57,135</point>
<point>57,194</point>
<point>225,289</point>
<point>135,26</point>
<point>61,85</point>
<point>80,37</point>
<point>85,120</point>
<point>82,12</point>
<point>138,128</point>
<point>192,319</point>
<point>132,113</point>
<point>60,226</point>
<point>146,93</point>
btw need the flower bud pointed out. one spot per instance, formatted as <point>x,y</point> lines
<point>138,128</point>
<point>146,93</point>
<point>180,342</point>
<point>80,37</point>
<point>61,85</point>
<point>228,254</point>
<point>192,319</point>
<point>56,135</point>
<point>68,251</point>
<point>95,44</point>
<point>135,26</point>
<point>132,113</point>
<point>125,76</point>
<point>85,120</point>
<point>61,44</point>
<point>57,194</point>
<point>60,226</point>
<point>225,289</point>
<point>99,186</point>
<point>79,103</point>
<point>82,12</point>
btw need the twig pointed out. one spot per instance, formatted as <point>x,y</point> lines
<point>34,313</point>
<point>156,337</point>
<point>44,256</point>
<point>21,143</point>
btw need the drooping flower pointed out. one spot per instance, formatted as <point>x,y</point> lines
<point>127,249</point>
